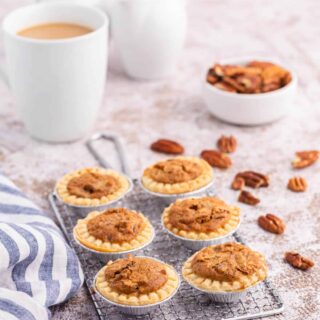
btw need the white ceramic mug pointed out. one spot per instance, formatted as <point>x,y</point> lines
<point>57,84</point>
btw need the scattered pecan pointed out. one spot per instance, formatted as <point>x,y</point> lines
<point>271,223</point>
<point>238,184</point>
<point>167,146</point>
<point>298,261</point>
<point>255,77</point>
<point>216,159</point>
<point>253,179</point>
<point>227,144</point>
<point>297,184</point>
<point>248,198</point>
<point>305,159</point>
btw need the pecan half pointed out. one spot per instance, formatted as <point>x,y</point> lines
<point>305,159</point>
<point>272,77</point>
<point>308,154</point>
<point>218,70</point>
<point>271,223</point>
<point>260,64</point>
<point>250,83</point>
<point>253,179</point>
<point>297,184</point>
<point>298,261</point>
<point>216,159</point>
<point>227,144</point>
<point>212,78</point>
<point>244,83</point>
<point>238,184</point>
<point>234,84</point>
<point>167,146</point>
<point>286,79</point>
<point>248,198</point>
<point>272,86</point>
<point>225,86</point>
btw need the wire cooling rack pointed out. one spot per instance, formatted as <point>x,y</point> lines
<point>188,304</point>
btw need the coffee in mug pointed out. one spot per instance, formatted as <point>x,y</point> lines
<point>57,84</point>
<point>53,31</point>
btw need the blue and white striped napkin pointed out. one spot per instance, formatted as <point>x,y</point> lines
<point>37,267</point>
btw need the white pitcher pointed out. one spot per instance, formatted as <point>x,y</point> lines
<point>148,34</point>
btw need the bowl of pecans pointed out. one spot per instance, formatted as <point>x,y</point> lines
<point>249,92</point>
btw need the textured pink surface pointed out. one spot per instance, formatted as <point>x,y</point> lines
<point>143,111</point>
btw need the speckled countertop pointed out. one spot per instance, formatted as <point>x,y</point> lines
<point>143,111</point>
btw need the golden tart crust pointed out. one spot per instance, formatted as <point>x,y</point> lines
<point>137,281</point>
<point>114,230</point>
<point>228,267</point>
<point>201,218</point>
<point>91,186</point>
<point>177,175</point>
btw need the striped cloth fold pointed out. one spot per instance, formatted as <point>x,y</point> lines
<point>37,268</point>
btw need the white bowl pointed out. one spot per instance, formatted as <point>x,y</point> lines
<point>250,109</point>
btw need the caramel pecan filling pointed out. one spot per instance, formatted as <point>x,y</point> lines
<point>226,262</point>
<point>93,185</point>
<point>116,225</point>
<point>199,215</point>
<point>175,171</point>
<point>134,275</point>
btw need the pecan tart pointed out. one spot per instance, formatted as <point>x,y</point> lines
<point>201,218</point>
<point>228,267</point>
<point>137,281</point>
<point>177,175</point>
<point>92,187</point>
<point>114,230</point>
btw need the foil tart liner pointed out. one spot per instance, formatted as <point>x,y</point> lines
<point>137,310</point>
<point>224,296</point>
<point>227,297</point>
<point>196,245</point>
<point>107,256</point>
<point>169,198</point>
<point>82,211</point>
